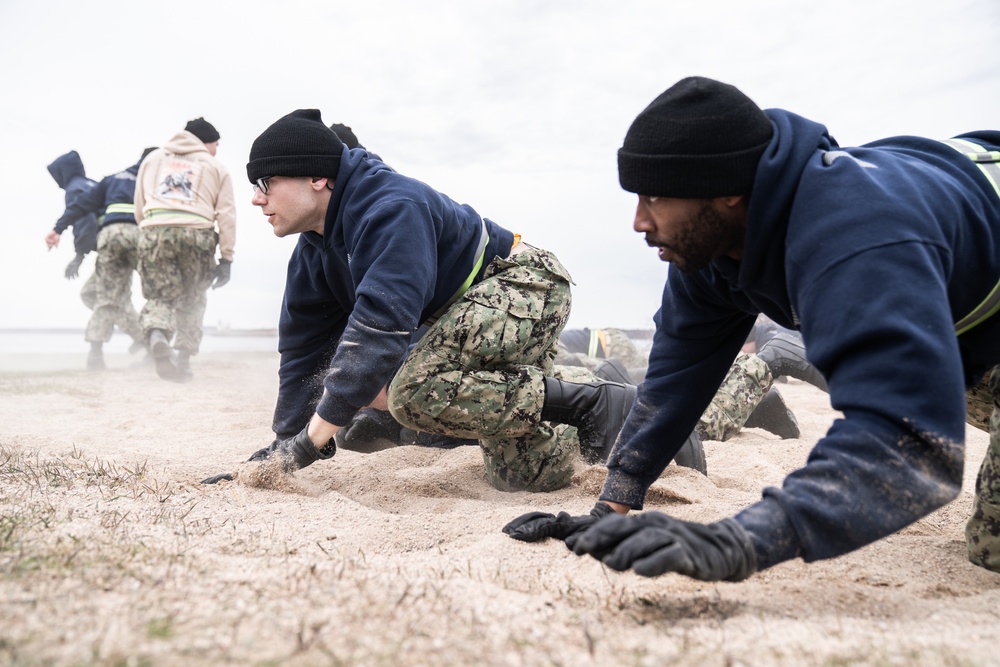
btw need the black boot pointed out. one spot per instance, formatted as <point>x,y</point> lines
<point>159,345</point>
<point>692,454</point>
<point>95,360</point>
<point>369,431</point>
<point>424,439</point>
<point>613,371</point>
<point>183,365</point>
<point>596,409</point>
<point>771,414</point>
<point>785,354</point>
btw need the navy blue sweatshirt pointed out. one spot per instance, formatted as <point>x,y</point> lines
<point>393,251</point>
<point>874,253</point>
<point>114,189</point>
<point>69,174</point>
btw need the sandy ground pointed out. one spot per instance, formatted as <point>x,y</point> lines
<point>111,553</point>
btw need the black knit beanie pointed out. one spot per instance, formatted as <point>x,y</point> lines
<point>699,139</point>
<point>298,144</point>
<point>202,129</point>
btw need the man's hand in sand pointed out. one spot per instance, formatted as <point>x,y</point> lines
<point>291,454</point>
<point>296,452</point>
<point>653,543</point>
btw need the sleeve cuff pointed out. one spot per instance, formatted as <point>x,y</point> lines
<point>335,411</point>
<point>620,487</point>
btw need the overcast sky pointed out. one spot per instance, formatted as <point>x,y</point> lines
<point>515,107</point>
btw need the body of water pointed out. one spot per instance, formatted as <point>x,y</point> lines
<point>25,350</point>
<point>15,341</point>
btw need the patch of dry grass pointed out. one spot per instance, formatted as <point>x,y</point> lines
<point>107,564</point>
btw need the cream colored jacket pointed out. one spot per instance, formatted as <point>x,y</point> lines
<point>182,185</point>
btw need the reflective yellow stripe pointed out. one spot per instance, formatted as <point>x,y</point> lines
<point>161,212</point>
<point>120,208</point>
<point>594,342</point>
<point>475,269</point>
<point>598,344</point>
<point>985,310</point>
<point>989,163</point>
<point>484,237</point>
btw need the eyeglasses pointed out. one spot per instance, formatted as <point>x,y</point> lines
<point>262,184</point>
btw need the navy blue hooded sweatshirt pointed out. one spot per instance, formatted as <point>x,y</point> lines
<point>393,252</point>
<point>874,253</point>
<point>69,174</point>
<point>114,189</point>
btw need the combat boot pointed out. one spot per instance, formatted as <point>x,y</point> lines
<point>369,431</point>
<point>423,439</point>
<point>613,371</point>
<point>785,355</point>
<point>159,345</point>
<point>692,454</point>
<point>772,415</point>
<point>95,360</point>
<point>597,410</point>
<point>183,365</point>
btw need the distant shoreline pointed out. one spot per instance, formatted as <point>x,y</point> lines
<point>637,334</point>
<point>210,331</point>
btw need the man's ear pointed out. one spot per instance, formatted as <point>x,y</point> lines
<point>319,182</point>
<point>733,201</point>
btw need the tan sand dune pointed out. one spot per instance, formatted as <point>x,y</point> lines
<point>111,553</point>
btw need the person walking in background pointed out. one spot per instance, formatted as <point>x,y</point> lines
<point>185,209</point>
<point>68,172</point>
<point>117,257</point>
<point>884,256</point>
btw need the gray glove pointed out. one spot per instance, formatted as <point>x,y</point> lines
<point>294,453</point>
<point>536,526</point>
<point>654,543</point>
<point>220,275</point>
<point>73,268</point>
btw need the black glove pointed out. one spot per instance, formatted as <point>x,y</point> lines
<point>73,268</point>
<point>535,526</point>
<point>220,275</point>
<point>294,453</point>
<point>654,543</point>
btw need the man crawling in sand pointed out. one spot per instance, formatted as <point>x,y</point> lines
<point>399,298</point>
<point>885,256</point>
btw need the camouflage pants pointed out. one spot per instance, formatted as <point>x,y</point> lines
<point>748,380</point>
<point>982,532</point>
<point>117,258</point>
<point>176,265</point>
<point>478,373</point>
<point>88,293</point>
